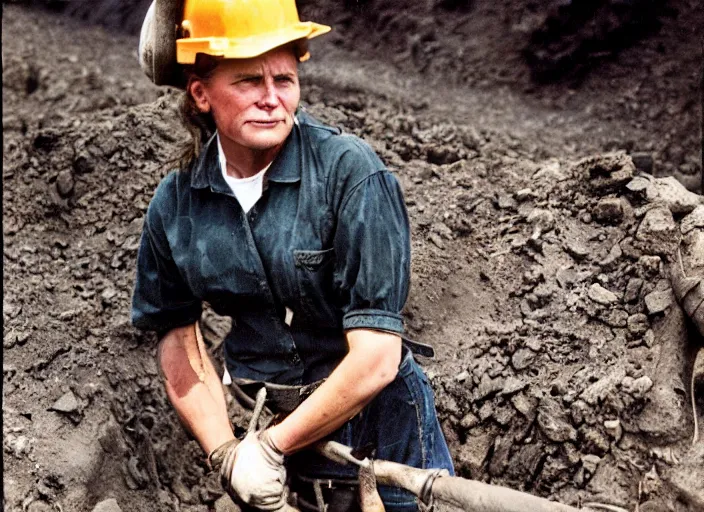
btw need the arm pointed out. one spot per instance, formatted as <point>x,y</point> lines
<point>193,386</point>
<point>370,365</point>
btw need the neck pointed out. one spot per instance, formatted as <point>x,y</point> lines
<point>246,162</point>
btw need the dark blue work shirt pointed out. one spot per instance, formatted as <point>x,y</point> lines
<point>328,239</point>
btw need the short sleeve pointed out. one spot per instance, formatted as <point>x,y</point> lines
<point>372,249</point>
<point>162,300</point>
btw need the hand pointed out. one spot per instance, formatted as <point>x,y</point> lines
<point>253,472</point>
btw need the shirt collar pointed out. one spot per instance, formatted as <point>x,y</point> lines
<point>286,167</point>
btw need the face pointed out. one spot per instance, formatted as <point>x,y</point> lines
<point>252,100</point>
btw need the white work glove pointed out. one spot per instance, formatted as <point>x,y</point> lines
<point>253,471</point>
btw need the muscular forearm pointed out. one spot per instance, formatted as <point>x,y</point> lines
<point>194,388</point>
<point>370,365</point>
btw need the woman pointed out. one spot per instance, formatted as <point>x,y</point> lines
<point>300,234</point>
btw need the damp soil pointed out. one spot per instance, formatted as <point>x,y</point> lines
<point>539,274</point>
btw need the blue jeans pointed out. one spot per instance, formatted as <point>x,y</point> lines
<point>400,423</point>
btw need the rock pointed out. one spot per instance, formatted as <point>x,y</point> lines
<point>608,211</point>
<point>596,392</point>
<point>469,421</point>
<point>643,162</point>
<point>109,505</point>
<point>606,172</point>
<point>525,405</point>
<point>506,202</point>
<point>487,387</point>
<point>614,254</point>
<point>658,233</point>
<point>617,318</point>
<point>659,301</point>
<point>614,429</point>
<point>435,238</point>
<point>590,463</point>
<point>672,194</point>
<point>578,411</point>
<point>632,290</point>
<point>576,249</point>
<point>64,183</point>
<point>39,506</point>
<point>524,194</point>
<point>544,219</point>
<point>637,387</point>
<point>522,358</point>
<point>649,266</point>
<point>66,404</point>
<point>693,220</point>
<point>513,385</point>
<point>474,452</point>
<point>462,376</point>
<point>593,440</point>
<point>19,446</point>
<point>601,295</point>
<point>638,324</point>
<point>554,422</point>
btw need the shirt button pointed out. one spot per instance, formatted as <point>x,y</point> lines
<point>295,359</point>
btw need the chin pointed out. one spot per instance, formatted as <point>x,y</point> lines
<point>264,141</point>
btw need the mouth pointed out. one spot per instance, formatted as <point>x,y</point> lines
<point>270,123</point>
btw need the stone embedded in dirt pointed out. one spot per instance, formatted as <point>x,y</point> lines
<point>554,421</point>
<point>487,387</point>
<point>474,452</point>
<point>607,172</point>
<point>693,220</point>
<point>614,254</point>
<point>522,358</point>
<point>632,290</point>
<point>576,249</point>
<point>638,324</point>
<point>617,318</point>
<point>590,463</point>
<point>672,194</point>
<point>469,421</point>
<point>506,202</point>
<point>608,211</point>
<point>66,404</point>
<point>462,376</point>
<point>513,385</point>
<point>658,233</point>
<point>643,162</point>
<point>601,295</point>
<point>109,505</point>
<point>658,301</point>
<point>597,391</point>
<point>525,405</point>
<point>637,387</point>
<point>649,266</point>
<point>64,183</point>
<point>525,194</point>
<point>19,446</point>
<point>541,218</point>
<point>614,429</point>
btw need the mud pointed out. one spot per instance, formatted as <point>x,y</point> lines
<point>540,274</point>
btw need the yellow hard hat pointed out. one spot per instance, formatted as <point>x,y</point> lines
<point>240,29</point>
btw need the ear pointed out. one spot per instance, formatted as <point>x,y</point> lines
<point>196,89</point>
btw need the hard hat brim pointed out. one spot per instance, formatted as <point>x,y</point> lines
<point>245,48</point>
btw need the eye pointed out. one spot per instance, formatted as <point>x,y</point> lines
<point>284,79</point>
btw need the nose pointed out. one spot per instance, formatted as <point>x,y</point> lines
<point>269,98</point>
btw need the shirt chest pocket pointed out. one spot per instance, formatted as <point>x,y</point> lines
<point>314,275</point>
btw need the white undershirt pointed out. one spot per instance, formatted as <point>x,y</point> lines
<point>246,190</point>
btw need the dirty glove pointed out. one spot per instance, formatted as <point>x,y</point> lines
<point>253,472</point>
